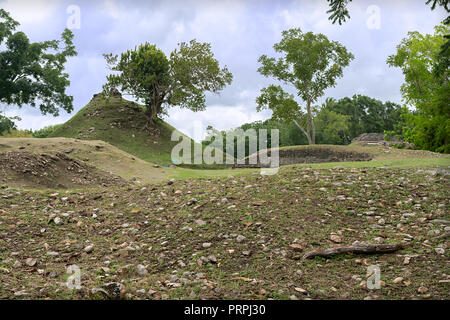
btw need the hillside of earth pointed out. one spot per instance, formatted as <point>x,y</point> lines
<point>97,157</point>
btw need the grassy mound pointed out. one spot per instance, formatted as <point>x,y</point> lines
<point>120,122</point>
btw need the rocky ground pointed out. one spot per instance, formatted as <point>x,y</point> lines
<point>236,237</point>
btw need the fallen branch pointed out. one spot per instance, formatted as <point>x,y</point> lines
<point>440,221</point>
<point>357,248</point>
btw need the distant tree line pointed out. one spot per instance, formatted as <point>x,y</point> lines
<point>336,122</point>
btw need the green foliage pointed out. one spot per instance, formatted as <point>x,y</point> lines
<point>14,133</point>
<point>366,114</point>
<point>310,63</point>
<point>338,10</point>
<point>33,72</point>
<point>7,124</point>
<point>332,127</point>
<point>46,131</point>
<point>425,88</point>
<point>158,82</point>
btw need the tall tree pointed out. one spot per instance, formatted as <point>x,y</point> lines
<point>428,91</point>
<point>148,75</point>
<point>310,63</point>
<point>33,72</point>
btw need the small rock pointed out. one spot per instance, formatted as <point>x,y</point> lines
<point>212,259</point>
<point>301,290</point>
<point>240,238</point>
<point>200,222</point>
<point>296,247</point>
<point>398,280</point>
<point>422,289</point>
<point>206,245</point>
<point>335,238</point>
<point>141,270</point>
<point>89,249</point>
<point>31,262</point>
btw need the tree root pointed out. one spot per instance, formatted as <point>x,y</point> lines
<point>357,248</point>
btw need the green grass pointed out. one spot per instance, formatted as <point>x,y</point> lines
<point>120,122</point>
<point>394,163</point>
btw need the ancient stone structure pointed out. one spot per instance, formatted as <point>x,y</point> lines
<point>309,155</point>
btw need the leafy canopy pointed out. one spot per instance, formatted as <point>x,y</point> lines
<point>310,63</point>
<point>425,89</point>
<point>33,72</point>
<point>416,56</point>
<point>160,82</point>
<point>7,124</point>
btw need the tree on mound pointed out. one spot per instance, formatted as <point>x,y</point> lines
<point>159,83</point>
<point>33,72</point>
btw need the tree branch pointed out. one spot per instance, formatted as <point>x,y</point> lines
<point>357,248</point>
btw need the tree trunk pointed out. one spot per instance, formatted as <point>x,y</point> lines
<point>308,136</point>
<point>150,116</point>
<point>311,123</point>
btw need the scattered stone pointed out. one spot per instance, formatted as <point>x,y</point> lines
<point>112,290</point>
<point>141,270</point>
<point>335,238</point>
<point>31,262</point>
<point>89,249</point>
<point>398,280</point>
<point>422,290</point>
<point>296,247</point>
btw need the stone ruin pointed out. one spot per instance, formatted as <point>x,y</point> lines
<point>113,93</point>
<point>367,139</point>
<point>310,155</point>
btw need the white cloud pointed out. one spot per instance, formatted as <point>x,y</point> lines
<point>31,12</point>
<point>220,117</point>
<point>111,9</point>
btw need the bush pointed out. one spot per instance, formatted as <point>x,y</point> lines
<point>17,134</point>
<point>46,131</point>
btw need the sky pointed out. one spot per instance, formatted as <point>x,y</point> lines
<point>239,32</point>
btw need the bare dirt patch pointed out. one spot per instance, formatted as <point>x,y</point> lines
<point>57,171</point>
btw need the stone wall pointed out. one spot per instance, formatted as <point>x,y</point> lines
<point>310,155</point>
